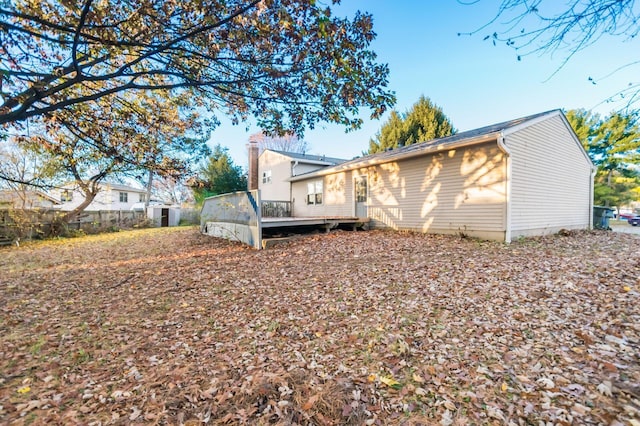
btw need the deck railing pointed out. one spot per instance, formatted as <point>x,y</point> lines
<point>235,216</point>
<point>276,209</point>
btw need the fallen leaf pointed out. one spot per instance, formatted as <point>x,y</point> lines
<point>605,388</point>
<point>391,382</point>
<point>307,406</point>
<point>135,413</point>
<point>417,378</point>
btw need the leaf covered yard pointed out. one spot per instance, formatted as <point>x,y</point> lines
<point>167,326</point>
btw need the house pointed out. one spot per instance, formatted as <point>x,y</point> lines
<point>524,177</point>
<point>27,199</point>
<point>112,196</point>
<point>276,167</point>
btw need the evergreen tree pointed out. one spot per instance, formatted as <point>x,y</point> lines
<point>423,122</point>
<point>613,144</point>
<point>219,176</point>
<point>390,134</point>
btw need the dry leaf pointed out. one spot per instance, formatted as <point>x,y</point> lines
<point>198,339</point>
<point>307,406</point>
<point>605,388</point>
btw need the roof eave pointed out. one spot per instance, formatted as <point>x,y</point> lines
<point>314,162</point>
<point>425,150</point>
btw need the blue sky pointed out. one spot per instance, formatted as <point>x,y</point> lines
<point>475,83</point>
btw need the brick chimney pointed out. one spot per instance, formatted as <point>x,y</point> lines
<point>254,151</point>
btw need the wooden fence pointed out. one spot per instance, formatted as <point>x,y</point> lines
<point>29,224</point>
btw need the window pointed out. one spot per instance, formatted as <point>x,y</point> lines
<point>141,198</point>
<point>124,197</point>
<point>66,196</point>
<point>314,192</point>
<point>266,176</point>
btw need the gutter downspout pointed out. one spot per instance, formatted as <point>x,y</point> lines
<point>507,210</point>
<point>594,170</point>
<point>293,173</point>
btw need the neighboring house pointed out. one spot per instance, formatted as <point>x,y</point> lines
<point>29,200</point>
<point>276,167</point>
<point>525,177</point>
<point>112,196</point>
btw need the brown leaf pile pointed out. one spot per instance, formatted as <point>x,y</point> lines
<point>171,327</point>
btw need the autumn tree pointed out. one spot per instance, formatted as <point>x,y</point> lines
<point>171,190</point>
<point>287,63</point>
<point>423,122</point>
<point>288,142</point>
<point>23,171</point>
<point>218,176</point>
<point>119,136</point>
<point>544,26</point>
<point>613,144</point>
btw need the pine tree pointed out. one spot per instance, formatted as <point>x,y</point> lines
<point>613,144</point>
<point>219,176</point>
<point>423,122</point>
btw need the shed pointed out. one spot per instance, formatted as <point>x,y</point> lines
<point>524,177</point>
<point>164,215</point>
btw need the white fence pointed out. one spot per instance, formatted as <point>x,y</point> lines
<point>235,216</point>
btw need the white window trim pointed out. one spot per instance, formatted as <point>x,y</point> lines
<point>315,192</point>
<point>266,176</point>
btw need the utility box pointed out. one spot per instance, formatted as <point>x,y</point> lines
<point>601,216</point>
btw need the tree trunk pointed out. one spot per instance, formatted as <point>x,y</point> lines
<point>609,174</point>
<point>148,197</point>
<point>89,196</point>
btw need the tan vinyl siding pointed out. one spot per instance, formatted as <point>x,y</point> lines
<point>337,197</point>
<point>551,179</point>
<point>453,191</point>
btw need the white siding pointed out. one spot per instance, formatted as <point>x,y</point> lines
<point>454,191</point>
<point>107,199</point>
<point>302,168</point>
<point>280,167</point>
<point>551,179</point>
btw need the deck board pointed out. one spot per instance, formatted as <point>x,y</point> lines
<point>284,222</point>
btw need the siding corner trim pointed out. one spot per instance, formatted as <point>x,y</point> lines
<point>507,209</point>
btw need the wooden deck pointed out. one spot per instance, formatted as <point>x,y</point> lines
<point>328,222</point>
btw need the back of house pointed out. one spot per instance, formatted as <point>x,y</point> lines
<point>528,176</point>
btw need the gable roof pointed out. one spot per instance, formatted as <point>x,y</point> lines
<point>9,196</point>
<point>470,137</point>
<point>311,159</point>
<point>105,186</point>
<point>121,187</point>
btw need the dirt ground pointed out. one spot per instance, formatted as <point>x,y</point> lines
<point>167,326</point>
